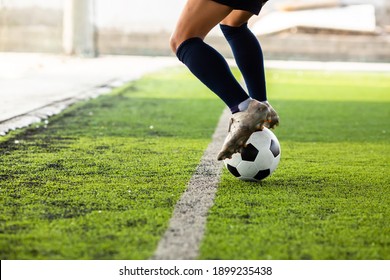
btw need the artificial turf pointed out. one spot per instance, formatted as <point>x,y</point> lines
<point>100,180</point>
<point>330,196</point>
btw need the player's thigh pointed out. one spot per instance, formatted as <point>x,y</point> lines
<point>237,18</point>
<point>197,19</point>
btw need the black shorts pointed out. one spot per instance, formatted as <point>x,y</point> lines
<point>253,6</point>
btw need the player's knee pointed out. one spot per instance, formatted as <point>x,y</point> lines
<point>233,22</point>
<point>174,43</point>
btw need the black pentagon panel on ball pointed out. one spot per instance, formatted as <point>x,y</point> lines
<point>233,170</point>
<point>274,147</point>
<point>262,174</point>
<point>249,153</point>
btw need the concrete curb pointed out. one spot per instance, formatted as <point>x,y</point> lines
<point>54,108</point>
<point>34,87</point>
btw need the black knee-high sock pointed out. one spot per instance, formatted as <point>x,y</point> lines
<point>211,68</point>
<point>249,58</point>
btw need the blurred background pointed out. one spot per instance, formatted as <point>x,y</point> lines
<point>336,30</point>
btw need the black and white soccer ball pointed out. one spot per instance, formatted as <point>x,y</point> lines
<point>259,158</point>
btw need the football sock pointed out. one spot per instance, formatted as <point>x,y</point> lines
<point>211,68</point>
<point>249,58</point>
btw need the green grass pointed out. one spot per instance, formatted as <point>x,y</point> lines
<point>330,196</point>
<point>101,180</point>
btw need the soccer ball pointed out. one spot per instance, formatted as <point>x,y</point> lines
<point>258,159</point>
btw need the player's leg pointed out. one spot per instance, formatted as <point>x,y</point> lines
<point>248,55</point>
<point>209,66</point>
<point>247,52</point>
<point>197,19</point>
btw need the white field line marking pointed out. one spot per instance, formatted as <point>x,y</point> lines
<point>186,228</point>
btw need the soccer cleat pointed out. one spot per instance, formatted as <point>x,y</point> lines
<point>272,118</point>
<point>241,127</point>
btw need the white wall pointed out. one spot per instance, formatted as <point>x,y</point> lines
<point>130,15</point>
<point>53,4</point>
<point>139,15</point>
